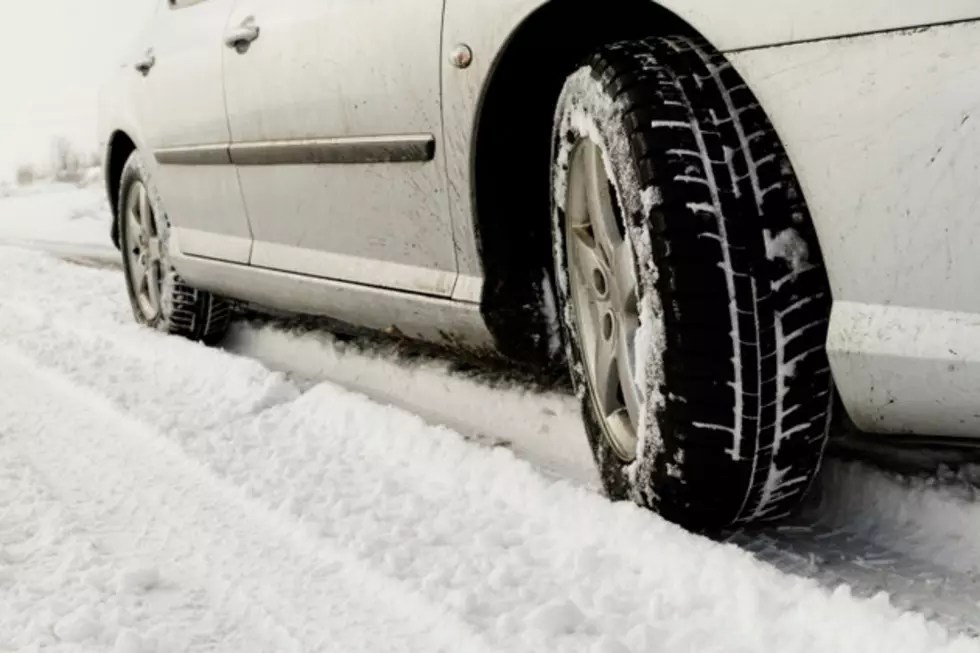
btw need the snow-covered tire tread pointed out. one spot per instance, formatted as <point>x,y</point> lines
<point>745,384</point>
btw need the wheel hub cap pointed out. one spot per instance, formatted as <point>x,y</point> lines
<point>604,293</point>
<point>143,251</point>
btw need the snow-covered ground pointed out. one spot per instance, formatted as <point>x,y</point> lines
<point>55,213</point>
<point>156,495</point>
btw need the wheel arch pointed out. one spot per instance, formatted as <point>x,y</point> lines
<point>511,193</point>
<point>119,147</point>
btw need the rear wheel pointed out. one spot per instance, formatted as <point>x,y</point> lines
<point>693,294</point>
<point>160,299</point>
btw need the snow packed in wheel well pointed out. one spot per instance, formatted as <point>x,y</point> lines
<point>513,155</point>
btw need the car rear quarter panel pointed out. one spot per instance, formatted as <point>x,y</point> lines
<point>118,113</point>
<point>118,110</point>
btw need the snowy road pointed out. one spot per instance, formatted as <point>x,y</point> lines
<point>156,495</point>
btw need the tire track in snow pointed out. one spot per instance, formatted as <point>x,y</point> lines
<point>819,546</point>
<point>846,562</point>
<point>528,563</point>
<point>862,521</point>
<point>94,256</point>
<point>257,579</point>
<point>542,427</point>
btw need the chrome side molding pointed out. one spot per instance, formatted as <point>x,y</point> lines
<point>403,148</point>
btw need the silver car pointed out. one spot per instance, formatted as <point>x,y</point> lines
<point>711,212</point>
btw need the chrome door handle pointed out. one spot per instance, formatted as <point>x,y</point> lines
<point>145,65</point>
<point>242,36</point>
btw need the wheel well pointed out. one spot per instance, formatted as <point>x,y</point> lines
<point>513,157</point>
<point>117,153</point>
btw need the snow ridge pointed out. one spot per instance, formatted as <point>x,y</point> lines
<point>294,579</point>
<point>519,562</point>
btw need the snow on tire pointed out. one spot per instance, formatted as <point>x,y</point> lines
<point>171,305</point>
<point>732,300</point>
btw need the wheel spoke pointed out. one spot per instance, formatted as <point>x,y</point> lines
<point>153,253</point>
<point>153,287</point>
<point>606,369</point>
<point>146,214</point>
<point>602,215</point>
<point>134,204</point>
<point>142,251</point>
<point>626,366</point>
<point>592,271</point>
<point>137,273</point>
<point>626,293</point>
<point>604,289</point>
<point>576,206</point>
<point>134,227</point>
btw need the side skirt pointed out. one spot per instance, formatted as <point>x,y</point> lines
<point>440,321</point>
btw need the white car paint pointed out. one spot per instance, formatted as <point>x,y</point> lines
<point>754,23</point>
<point>729,26</point>
<point>377,224</point>
<point>879,127</point>
<point>884,134</point>
<point>181,102</point>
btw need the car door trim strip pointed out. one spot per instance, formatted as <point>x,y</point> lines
<point>196,155</point>
<point>357,149</point>
<point>401,148</point>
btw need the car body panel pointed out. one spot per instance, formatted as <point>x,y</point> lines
<point>488,26</point>
<point>385,223</point>
<point>884,134</point>
<point>182,107</point>
<point>758,23</point>
<point>119,114</point>
<point>879,126</point>
<point>907,370</point>
<point>432,319</point>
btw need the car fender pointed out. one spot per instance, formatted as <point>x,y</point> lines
<point>487,27</point>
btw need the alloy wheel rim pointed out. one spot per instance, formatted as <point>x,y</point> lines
<point>143,251</point>
<point>604,290</point>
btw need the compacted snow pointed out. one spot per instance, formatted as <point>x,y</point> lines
<point>541,426</point>
<point>163,496</point>
<point>869,530</point>
<point>927,518</point>
<point>156,495</point>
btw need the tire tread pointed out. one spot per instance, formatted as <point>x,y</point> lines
<point>725,180</point>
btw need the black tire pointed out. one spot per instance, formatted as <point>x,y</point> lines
<point>738,391</point>
<point>186,311</point>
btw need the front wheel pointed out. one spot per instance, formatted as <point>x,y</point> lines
<point>160,299</point>
<point>694,300</point>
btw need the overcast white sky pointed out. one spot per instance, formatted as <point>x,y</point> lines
<point>53,56</point>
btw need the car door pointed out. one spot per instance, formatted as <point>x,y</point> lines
<point>334,109</point>
<point>185,127</point>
